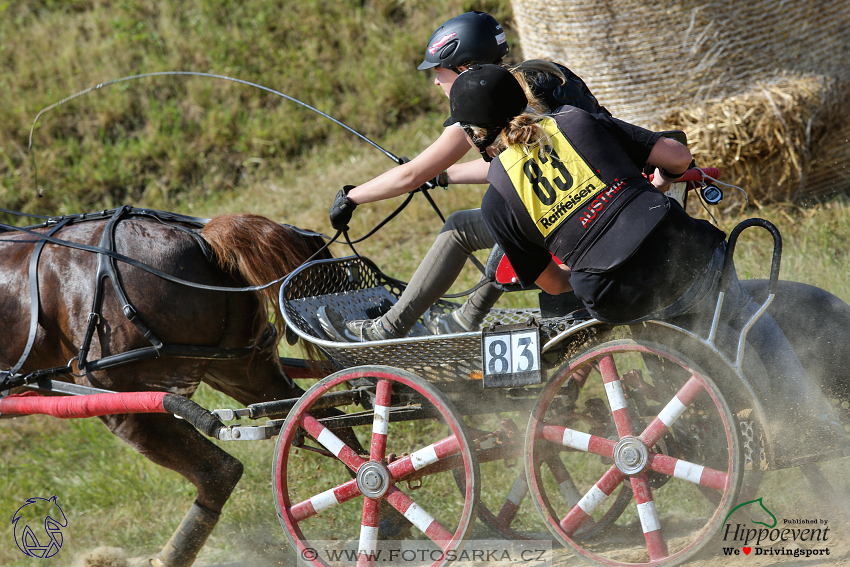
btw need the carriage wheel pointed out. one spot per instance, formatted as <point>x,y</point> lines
<point>509,512</point>
<point>653,422</point>
<point>382,473</point>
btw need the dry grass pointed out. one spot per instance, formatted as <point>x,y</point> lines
<point>772,139</point>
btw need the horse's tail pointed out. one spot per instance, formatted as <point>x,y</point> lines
<point>260,251</point>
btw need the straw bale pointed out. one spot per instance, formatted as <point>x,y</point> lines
<point>760,86</point>
<point>780,140</point>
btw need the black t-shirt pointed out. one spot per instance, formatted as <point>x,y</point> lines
<point>660,259</point>
<point>573,91</point>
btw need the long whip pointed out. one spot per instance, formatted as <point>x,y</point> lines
<point>197,74</point>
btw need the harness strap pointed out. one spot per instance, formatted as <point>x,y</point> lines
<point>35,303</point>
<point>106,268</point>
<point>141,265</point>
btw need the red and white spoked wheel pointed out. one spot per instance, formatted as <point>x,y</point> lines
<point>381,468</point>
<point>658,406</point>
<point>506,507</point>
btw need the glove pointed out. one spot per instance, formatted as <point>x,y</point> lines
<point>342,209</point>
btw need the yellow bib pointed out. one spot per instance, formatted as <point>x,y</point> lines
<point>552,187</point>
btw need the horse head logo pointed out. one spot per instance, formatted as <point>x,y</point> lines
<point>39,512</point>
<point>761,506</point>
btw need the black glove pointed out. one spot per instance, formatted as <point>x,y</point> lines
<point>342,209</point>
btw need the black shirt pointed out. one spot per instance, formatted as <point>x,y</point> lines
<point>654,256</point>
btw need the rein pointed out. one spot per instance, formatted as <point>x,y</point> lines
<point>398,160</point>
<point>157,215</point>
<point>106,268</point>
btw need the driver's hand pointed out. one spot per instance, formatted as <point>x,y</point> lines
<point>342,209</point>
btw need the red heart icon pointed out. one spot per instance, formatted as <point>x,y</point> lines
<point>747,550</point>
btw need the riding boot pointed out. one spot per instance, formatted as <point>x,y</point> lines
<point>188,539</point>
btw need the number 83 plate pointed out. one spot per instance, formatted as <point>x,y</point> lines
<point>511,356</point>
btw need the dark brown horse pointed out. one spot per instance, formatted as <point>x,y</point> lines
<point>247,250</point>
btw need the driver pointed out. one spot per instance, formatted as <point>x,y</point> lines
<point>570,207</point>
<point>473,37</point>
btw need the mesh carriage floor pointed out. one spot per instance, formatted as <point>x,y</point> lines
<point>356,289</point>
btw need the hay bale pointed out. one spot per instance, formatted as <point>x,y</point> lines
<point>760,87</point>
<point>775,139</point>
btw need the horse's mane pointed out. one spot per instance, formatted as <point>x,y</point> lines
<point>260,250</point>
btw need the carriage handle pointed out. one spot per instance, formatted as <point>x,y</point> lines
<point>726,274</point>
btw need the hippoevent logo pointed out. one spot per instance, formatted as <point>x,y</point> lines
<point>38,527</point>
<point>807,537</point>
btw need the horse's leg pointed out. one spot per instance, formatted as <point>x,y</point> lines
<point>176,445</point>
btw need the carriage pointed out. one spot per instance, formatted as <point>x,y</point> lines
<point>630,442</point>
<point>596,417</point>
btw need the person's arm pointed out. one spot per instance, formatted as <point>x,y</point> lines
<point>436,158</point>
<point>671,159</point>
<point>469,172</point>
<point>555,279</point>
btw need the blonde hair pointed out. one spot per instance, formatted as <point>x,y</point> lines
<point>523,130</point>
<point>527,71</point>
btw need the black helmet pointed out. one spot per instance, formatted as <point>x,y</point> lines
<point>488,96</point>
<point>473,37</point>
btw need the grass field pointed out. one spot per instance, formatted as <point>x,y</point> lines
<point>204,148</point>
<point>114,497</point>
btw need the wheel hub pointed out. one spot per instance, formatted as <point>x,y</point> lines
<point>373,479</point>
<point>630,455</point>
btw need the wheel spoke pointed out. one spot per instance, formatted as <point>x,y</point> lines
<point>666,425</point>
<point>616,396</point>
<point>568,488</point>
<point>368,547</point>
<point>672,411</point>
<point>691,472</point>
<point>655,543</point>
<point>579,440</point>
<point>515,497</point>
<point>417,516</point>
<point>428,449</point>
<point>423,457</point>
<point>325,500</point>
<point>381,420</point>
<point>331,442</point>
<point>582,511</point>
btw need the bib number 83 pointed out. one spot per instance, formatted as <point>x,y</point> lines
<point>511,358</point>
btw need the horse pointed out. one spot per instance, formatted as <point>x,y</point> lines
<point>817,324</point>
<point>243,250</point>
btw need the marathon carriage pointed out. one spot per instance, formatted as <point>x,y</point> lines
<point>631,442</point>
<point>594,416</point>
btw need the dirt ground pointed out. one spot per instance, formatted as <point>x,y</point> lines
<point>788,494</point>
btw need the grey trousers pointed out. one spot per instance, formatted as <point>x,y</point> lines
<point>463,234</point>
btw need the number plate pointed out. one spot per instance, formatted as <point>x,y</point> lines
<point>511,356</point>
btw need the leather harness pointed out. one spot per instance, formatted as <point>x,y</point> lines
<point>107,269</point>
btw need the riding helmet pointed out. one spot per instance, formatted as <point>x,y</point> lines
<point>486,95</point>
<point>473,37</point>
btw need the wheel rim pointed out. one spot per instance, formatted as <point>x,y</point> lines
<point>651,413</point>
<point>331,505</point>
